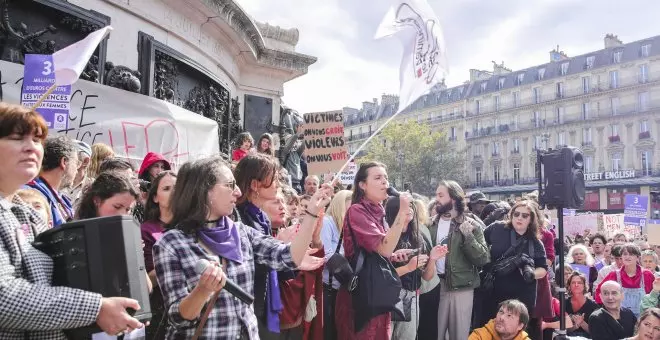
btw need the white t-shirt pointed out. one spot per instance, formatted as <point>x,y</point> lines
<point>441,239</point>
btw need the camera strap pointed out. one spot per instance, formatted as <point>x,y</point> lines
<point>515,244</point>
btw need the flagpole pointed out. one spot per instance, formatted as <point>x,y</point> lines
<point>364,144</point>
<point>43,97</point>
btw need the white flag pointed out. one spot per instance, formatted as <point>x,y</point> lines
<point>424,62</point>
<point>71,60</point>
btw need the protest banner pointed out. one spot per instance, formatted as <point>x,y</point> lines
<point>635,209</point>
<point>132,124</point>
<point>38,77</point>
<point>612,224</point>
<point>653,232</point>
<point>577,225</point>
<point>325,150</point>
<point>348,176</point>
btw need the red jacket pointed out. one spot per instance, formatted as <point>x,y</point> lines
<point>296,294</point>
<point>149,160</point>
<point>238,154</point>
<point>629,282</point>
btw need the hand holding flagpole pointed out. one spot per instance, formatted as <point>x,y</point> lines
<point>70,61</point>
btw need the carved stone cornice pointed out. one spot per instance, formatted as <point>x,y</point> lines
<point>645,144</point>
<point>615,147</point>
<point>289,36</point>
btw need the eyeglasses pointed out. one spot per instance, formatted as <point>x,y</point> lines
<point>517,214</point>
<point>231,185</point>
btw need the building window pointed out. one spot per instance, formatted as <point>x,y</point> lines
<point>616,161</point>
<point>585,111</point>
<point>643,101</point>
<point>521,77</point>
<point>586,84</point>
<point>477,176</point>
<point>477,106</point>
<point>560,89</point>
<point>564,68</point>
<point>483,86</point>
<point>646,163</point>
<point>537,95</point>
<point>560,115</point>
<point>645,50</point>
<point>541,73</point>
<point>496,103</point>
<point>501,83</point>
<point>586,136</point>
<point>452,132</point>
<point>537,119</point>
<point>592,199</point>
<point>537,142</point>
<point>644,126</point>
<point>614,130</point>
<point>616,56</point>
<point>516,98</point>
<point>516,173</point>
<point>496,148</point>
<point>614,102</point>
<point>561,139</point>
<point>515,122</point>
<point>590,62</point>
<point>476,150</point>
<point>515,146</point>
<point>614,79</point>
<point>496,175</point>
<point>588,164</point>
<point>643,73</point>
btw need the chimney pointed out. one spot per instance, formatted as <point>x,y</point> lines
<point>612,40</point>
<point>375,101</point>
<point>499,69</point>
<point>557,55</point>
<point>476,75</point>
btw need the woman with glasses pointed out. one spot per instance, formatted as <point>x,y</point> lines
<point>519,236</point>
<point>204,196</point>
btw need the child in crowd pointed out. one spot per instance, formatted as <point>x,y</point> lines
<point>38,202</point>
<point>244,143</point>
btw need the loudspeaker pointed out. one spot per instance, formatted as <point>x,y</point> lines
<point>563,171</point>
<point>101,255</point>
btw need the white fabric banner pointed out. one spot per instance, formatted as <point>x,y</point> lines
<point>133,124</point>
<point>424,62</point>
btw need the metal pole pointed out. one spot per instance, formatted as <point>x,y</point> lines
<point>561,332</point>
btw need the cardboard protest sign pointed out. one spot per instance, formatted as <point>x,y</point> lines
<point>132,124</point>
<point>577,225</point>
<point>325,149</point>
<point>653,232</point>
<point>612,224</point>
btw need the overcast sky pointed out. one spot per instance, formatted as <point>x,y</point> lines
<point>352,67</point>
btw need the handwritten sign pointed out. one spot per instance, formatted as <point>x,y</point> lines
<point>325,150</point>
<point>612,224</point>
<point>132,124</point>
<point>577,225</point>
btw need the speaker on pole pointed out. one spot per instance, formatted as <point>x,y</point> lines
<point>563,176</point>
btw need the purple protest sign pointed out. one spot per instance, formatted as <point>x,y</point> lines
<point>38,77</point>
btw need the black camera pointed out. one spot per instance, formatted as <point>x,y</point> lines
<point>527,272</point>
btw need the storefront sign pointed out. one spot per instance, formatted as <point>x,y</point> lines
<point>609,175</point>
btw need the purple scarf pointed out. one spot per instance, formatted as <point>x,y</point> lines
<point>223,240</point>
<point>273,300</point>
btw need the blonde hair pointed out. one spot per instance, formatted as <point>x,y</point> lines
<point>29,195</point>
<point>587,255</point>
<point>422,213</point>
<point>100,152</point>
<point>337,208</point>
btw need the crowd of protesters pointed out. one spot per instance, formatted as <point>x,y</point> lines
<point>455,266</point>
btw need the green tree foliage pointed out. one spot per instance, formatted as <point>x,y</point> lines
<point>416,154</point>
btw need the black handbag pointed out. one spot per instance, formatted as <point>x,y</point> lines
<point>338,266</point>
<point>375,286</point>
<point>504,265</point>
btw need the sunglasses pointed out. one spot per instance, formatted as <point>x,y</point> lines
<point>518,214</point>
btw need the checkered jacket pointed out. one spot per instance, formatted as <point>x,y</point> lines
<point>175,256</point>
<point>30,308</point>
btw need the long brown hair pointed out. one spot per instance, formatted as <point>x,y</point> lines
<point>534,228</point>
<point>106,185</point>
<point>151,208</point>
<point>361,176</point>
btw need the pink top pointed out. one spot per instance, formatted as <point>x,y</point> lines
<point>366,222</point>
<point>152,231</point>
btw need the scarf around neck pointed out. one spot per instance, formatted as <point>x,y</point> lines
<point>223,240</point>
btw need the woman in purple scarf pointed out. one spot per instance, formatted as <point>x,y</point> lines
<point>204,196</point>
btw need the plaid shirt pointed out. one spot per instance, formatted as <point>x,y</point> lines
<point>176,255</point>
<point>30,308</point>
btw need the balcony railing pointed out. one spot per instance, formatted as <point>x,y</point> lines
<point>645,135</point>
<point>359,136</point>
<point>522,125</point>
<point>567,93</point>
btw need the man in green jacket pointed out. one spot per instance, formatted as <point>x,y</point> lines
<point>463,234</point>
